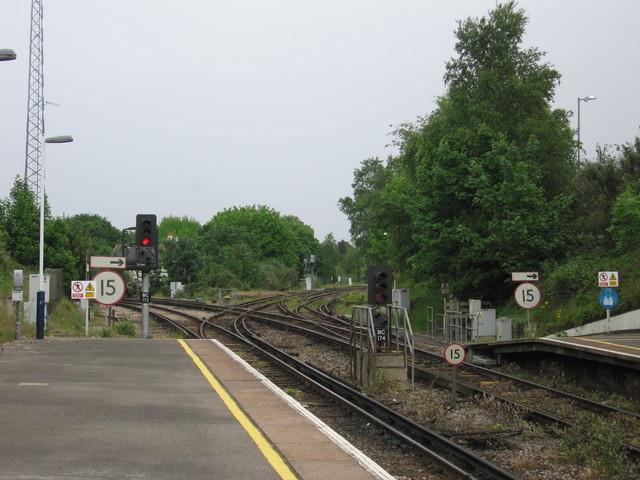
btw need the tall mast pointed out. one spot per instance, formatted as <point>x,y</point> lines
<point>35,105</point>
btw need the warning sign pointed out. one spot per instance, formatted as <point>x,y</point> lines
<point>608,279</point>
<point>83,289</point>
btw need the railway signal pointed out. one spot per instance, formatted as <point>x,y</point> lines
<point>146,242</point>
<point>379,283</point>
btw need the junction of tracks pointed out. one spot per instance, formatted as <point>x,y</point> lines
<point>139,408</point>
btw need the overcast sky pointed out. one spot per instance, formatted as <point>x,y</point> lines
<point>188,107</point>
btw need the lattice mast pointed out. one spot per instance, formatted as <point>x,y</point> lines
<point>35,105</point>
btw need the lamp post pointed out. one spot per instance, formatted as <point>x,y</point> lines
<point>7,54</point>
<point>40,294</point>
<point>584,99</point>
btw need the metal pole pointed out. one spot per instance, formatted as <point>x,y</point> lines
<point>579,100</point>
<point>145,305</point>
<point>86,317</point>
<point>86,300</point>
<point>18,326</point>
<point>585,99</point>
<point>40,315</point>
<point>454,386</point>
<point>40,294</point>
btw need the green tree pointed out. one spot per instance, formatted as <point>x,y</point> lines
<point>330,255</point>
<point>596,185</point>
<point>276,276</point>
<point>20,220</point>
<point>90,233</point>
<point>178,227</point>
<point>238,240</point>
<point>304,241</point>
<point>236,265</point>
<point>481,213</point>
<point>182,259</point>
<point>21,224</point>
<point>352,264</point>
<point>625,226</point>
<point>495,82</point>
<point>630,164</point>
<point>482,185</point>
<point>57,251</point>
<point>372,212</point>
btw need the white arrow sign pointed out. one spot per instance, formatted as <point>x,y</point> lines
<point>524,276</point>
<point>108,262</point>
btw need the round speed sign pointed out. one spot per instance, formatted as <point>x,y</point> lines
<point>110,287</point>
<point>455,354</point>
<point>527,295</point>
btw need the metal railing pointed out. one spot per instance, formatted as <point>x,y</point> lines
<point>399,320</point>
<point>398,335</point>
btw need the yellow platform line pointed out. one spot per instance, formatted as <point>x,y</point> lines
<point>272,456</point>
<point>608,343</point>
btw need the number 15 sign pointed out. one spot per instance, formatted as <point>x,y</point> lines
<point>454,354</point>
<point>527,295</point>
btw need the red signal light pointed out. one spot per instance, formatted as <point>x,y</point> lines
<point>146,241</point>
<point>379,279</point>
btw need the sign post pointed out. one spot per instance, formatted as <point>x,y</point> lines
<point>608,297</point>
<point>454,354</point>
<point>110,287</point>
<point>16,297</point>
<point>106,287</point>
<point>527,296</point>
<point>83,290</point>
<point>145,305</point>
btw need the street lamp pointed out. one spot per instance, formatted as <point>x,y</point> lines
<point>40,295</point>
<point>7,54</point>
<point>585,99</point>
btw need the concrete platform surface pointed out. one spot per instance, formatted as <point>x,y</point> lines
<point>157,409</point>
<point>116,409</point>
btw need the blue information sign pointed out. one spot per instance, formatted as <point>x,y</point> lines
<point>608,297</point>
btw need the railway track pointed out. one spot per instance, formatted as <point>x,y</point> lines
<point>332,330</point>
<point>535,402</point>
<point>444,455</point>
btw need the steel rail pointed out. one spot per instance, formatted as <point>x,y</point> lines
<point>441,450</point>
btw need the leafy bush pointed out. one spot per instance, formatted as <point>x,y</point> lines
<point>576,275</point>
<point>66,318</point>
<point>125,327</point>
<point>597,443</point>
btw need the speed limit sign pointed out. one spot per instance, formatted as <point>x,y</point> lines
<point>454,354</point>
<point>110,287</point>
<point>527,295</point>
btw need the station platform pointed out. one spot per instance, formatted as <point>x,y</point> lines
<point>610,362</point>
<point>157,409</point>
<point>616,349</point>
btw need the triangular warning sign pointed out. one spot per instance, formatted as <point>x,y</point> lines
<point>89,288</point>
<point>613,277</point>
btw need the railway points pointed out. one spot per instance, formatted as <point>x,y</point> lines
<point>120,408</point>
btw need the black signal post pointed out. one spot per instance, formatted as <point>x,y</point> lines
<point>147,260</point>
<point>146,242</point>
<point>379,284</point>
